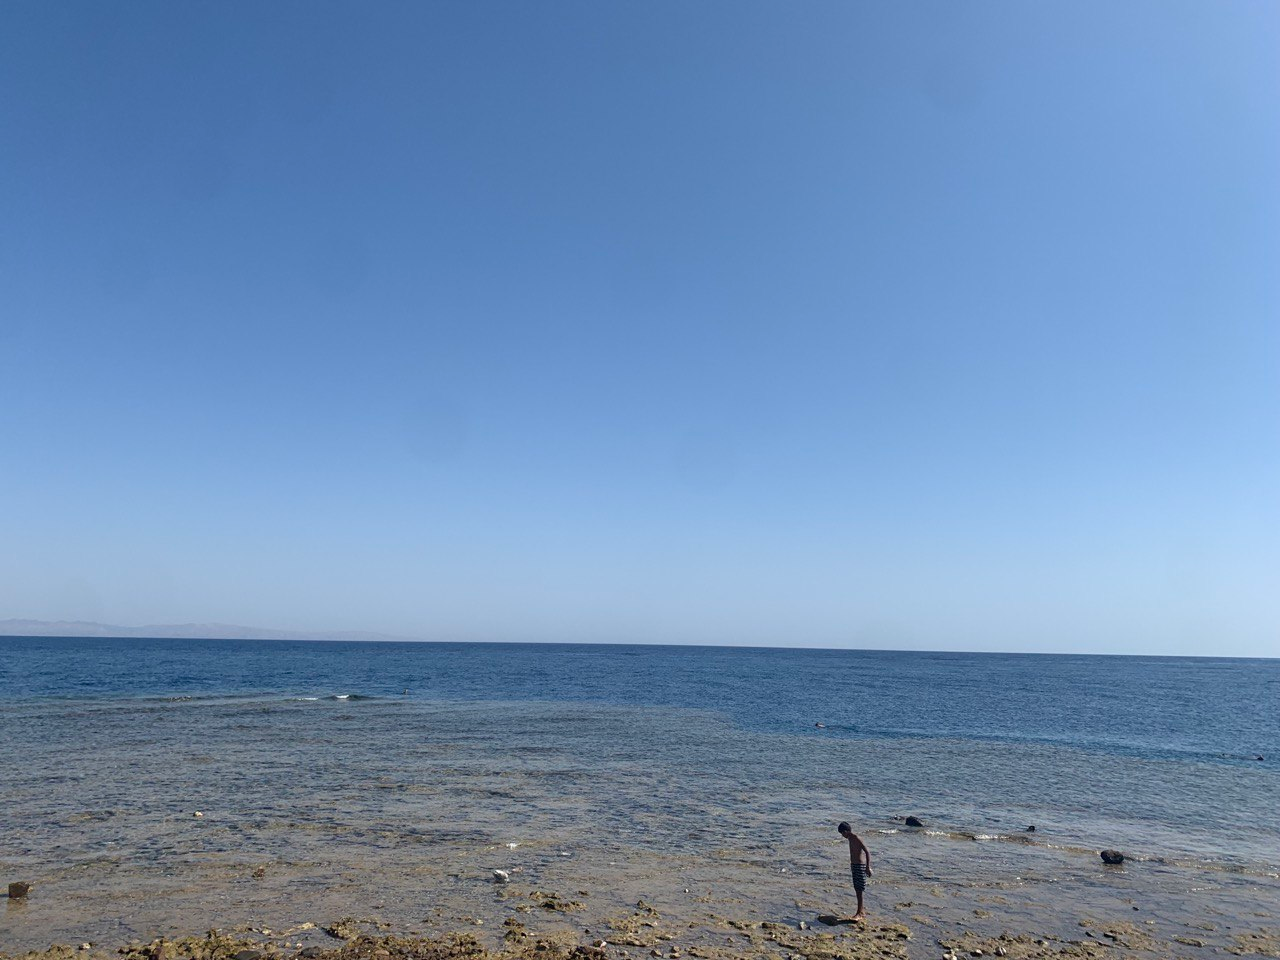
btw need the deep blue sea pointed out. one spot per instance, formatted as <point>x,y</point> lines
<point>664,746</point>
<point>1222,711</point>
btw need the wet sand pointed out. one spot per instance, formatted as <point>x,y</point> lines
<point>440,900</point>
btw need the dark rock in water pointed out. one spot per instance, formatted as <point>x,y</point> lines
<point>18,890</point>
<point>310,953</point>
<point>914,822</point>
<point>247,955</point>
<point>1031,828</point>
<point>1259,757</point>
<point>1112,856</point>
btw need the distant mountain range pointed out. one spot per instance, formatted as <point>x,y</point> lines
<point>202,631</point>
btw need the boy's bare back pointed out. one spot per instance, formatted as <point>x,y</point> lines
<point>858,850</point>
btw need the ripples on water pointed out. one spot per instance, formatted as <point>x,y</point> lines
<point>110,745</point>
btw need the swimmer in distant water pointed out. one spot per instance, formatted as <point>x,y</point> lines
<point>857,853</point>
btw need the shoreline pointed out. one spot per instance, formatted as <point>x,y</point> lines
<point>645,932</point>
<point>560,904</point>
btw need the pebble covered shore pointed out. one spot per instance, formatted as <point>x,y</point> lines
<point>908,920</point>
<point>645,933</point>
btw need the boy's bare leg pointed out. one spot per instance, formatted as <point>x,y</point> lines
<point>859,915</point>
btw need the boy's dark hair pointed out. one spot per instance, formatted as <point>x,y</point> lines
<point>844,827</point>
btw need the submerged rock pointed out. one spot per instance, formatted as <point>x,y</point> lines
<point>1112,856</point>
<point>18,890</point>
<point>914,822</point>
<point>553,901</point>
<point>344,929</point>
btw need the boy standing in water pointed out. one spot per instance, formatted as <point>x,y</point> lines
<point>857,853</point>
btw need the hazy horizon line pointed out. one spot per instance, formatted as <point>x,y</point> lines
<point>268,634</point>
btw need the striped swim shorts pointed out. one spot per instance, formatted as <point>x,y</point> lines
<point>859,877</point>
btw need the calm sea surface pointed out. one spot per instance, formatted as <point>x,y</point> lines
<point>103,742</point>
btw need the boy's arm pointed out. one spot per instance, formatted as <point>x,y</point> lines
<point>867,851</point>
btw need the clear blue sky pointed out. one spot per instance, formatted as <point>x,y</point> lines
<point>948,325</point>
